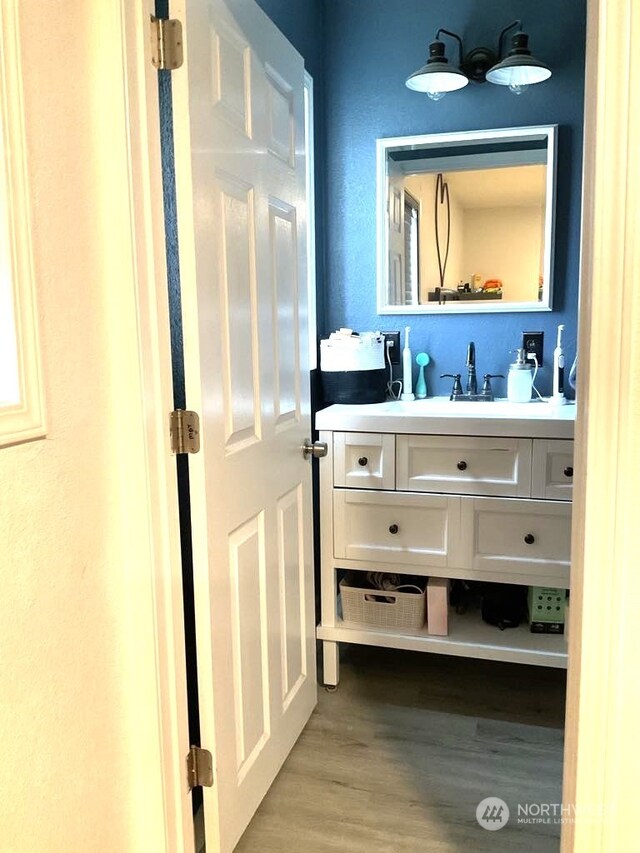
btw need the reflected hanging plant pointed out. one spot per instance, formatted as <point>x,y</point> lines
<point>442,201</point>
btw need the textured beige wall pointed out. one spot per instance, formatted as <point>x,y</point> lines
<point>80,768</point>
<point>506,243</point>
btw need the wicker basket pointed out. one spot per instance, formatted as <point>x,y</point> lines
<point>382,608</point>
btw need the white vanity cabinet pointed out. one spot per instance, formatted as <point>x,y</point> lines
<point>476,491</point>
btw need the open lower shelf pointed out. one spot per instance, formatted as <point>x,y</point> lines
<point>468,636</point>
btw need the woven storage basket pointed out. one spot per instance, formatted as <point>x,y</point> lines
<point>382,608</point>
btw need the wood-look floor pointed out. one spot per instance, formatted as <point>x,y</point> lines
<point>399,757</point>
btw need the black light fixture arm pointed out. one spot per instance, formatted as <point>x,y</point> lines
<point>511,26</point>
<point>456,37</point>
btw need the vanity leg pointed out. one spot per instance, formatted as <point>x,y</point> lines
<point>330,664</point>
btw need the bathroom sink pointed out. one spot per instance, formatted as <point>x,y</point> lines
<point>500,408</point>
<point>538,418</point>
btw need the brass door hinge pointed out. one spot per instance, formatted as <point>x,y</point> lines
<point>166,43</point>
<point>199,768</point>
<point>184,431</point>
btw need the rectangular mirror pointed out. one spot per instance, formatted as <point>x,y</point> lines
<point>466,221</point>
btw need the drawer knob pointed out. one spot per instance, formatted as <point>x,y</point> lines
<point>568,471</point>
<point>529,538</point>
<point>462,466</point>
<point>393,528</point>
<point>363,461</point>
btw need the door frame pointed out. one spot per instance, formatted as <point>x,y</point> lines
<point>598,710</point>
<point>140,106</point>
<point>604,644</point>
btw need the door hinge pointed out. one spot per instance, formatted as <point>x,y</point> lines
<point>166,43</point>
<point>199,768</point>
<point>184,431</point>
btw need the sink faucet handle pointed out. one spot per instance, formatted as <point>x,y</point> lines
<point>487,391</point>
<point>456,391</point>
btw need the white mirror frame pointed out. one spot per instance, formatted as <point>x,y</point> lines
<point>512,134</point>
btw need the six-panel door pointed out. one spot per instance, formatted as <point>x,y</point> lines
<point>241,178</point>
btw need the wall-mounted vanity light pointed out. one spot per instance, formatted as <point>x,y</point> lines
<point>517,70</point>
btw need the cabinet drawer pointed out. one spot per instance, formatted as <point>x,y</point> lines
<point>462,465</point>
<point>396,527</point>
<point>527,541</point>
<point>552,475</point>
<point>364,460</point>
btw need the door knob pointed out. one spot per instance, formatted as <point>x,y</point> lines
<point>317,449</point>
<point>393,529</point>
<point>568,471</point>
<point>462,465</point>
<point>529,538</point>
<point>363,461</point>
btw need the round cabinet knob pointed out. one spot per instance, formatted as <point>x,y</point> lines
<point>393,528</point>
<point>529,538</point>
<point>363,461</point>
<point>568,471</point>
<point>462,466</point>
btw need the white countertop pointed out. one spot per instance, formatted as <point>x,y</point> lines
<point>440,416</point>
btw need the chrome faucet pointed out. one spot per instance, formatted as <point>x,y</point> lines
<point>471,393</point>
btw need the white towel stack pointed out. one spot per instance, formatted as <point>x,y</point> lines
<point>344,350</point>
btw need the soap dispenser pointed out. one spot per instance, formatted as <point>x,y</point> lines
<point>520,379</point>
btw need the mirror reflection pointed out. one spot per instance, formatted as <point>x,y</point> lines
<point>466,222</point>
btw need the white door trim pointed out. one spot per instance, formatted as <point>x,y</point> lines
<point>148,269</point>
<point>603,689</point>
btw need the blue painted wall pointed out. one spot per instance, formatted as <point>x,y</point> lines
<point>371,47</point>
<point>301,21</point>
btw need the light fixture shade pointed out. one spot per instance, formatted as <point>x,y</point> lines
<point>437,76</point>
<point>519,68</point>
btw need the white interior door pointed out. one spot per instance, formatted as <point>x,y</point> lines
<point>240,171</point>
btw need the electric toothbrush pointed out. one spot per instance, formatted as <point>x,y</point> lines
<point>407,366</point>
<point>558,397</point>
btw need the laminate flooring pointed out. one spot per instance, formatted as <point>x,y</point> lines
<point>398,758</point>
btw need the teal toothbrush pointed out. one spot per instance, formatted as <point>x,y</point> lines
<point>422,359</point>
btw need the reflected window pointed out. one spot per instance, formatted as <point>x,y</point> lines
<point>411,249</point>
